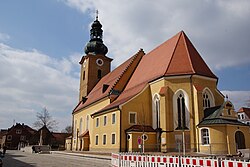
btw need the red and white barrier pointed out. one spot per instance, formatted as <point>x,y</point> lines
<point>234,163</point>
<point>137,160</point>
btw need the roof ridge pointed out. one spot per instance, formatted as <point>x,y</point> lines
<point>173,53</point>
<point>122,73</point>
<point>189,56</point>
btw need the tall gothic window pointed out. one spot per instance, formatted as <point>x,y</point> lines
<point>181,113</point>
<point>80,128</point>
<point>207,99</point>
<point>156,112</point>
<point>87,122</point>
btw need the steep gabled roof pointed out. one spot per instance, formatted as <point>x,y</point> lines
<point>110,80</point>
<point>176,56</point>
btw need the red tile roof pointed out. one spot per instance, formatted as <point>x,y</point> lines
<point>245,110</point>
<point>176,56</point>
<point>110,79</point>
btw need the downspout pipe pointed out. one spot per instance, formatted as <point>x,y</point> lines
<point>192,96</point>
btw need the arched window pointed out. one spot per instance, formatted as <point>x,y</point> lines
<point>181,113</point>
<point>208,99</point>
<point>99,74</point>
<point>156,112</point>
<point>87,122</point>
<point>80,128</point>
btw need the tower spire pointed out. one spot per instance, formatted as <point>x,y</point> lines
<point>95,44</point>
<point>96,17</point>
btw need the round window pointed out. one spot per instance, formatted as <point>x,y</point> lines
<point>128,136</point>
<point>99,62</point>
<point>144,137</point>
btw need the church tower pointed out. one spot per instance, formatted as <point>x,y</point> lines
<point>95,64</point>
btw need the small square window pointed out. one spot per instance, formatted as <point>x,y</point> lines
<point>9,137</point>
<point>22,138</point>
<point>132,118</point>
<point>18,131</point>
<point>113,118</point>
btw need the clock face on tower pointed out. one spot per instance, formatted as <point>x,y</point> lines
<point>99,62</point>
<point>84,63</point>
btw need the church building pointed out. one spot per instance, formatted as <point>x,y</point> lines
<point>165,100</point>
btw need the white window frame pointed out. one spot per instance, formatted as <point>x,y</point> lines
<point>105,120</point>
<point>210,97</point>
<point>113,120</point>
<point>132,123</point>
<point>175,109</point>
<point>22,138</point>
<point>142,137</point>
<point>202,137</point>
<point>9,137</point>
<point>97,122</point>
<point>18,131</point>
<point>113,141</point>
<point>96,140</point>
<point>106,139</point>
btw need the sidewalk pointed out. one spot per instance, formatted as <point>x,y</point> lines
<point>97,155</point>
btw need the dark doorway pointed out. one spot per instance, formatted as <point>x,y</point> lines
<point>240,140</point>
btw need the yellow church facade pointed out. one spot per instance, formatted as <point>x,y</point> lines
<point>166,100</point>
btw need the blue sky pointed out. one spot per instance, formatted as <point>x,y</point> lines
<point>41,43</point>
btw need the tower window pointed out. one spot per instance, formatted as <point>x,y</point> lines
<point>99,74</point>
<point>83,75</point>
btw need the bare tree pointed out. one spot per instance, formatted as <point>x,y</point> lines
<point>45,119</point>
<point>68,129</point>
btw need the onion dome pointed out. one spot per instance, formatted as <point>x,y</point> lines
<point>95,44</point>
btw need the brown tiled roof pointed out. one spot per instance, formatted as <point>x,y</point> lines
<point>176,56</point>
<point>140,128</point>
<point>245,110</point>
<point>110,79</point>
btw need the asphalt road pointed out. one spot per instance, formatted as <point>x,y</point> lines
<point>21,159</point>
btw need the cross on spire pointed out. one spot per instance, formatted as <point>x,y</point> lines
<point>96,14</point>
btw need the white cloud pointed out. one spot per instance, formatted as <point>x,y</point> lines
<point>218,29</point>
<point>4,37</point>
<point>31,80</point>
<point>238,98</point>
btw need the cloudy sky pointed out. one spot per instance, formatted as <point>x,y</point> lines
<point>41,43</point>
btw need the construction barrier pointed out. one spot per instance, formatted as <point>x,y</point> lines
<point>138,160</point>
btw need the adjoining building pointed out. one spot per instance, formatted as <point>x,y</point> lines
<point>18,136</point>
<point>166,100</point>
<point>21,135</point>
<point>244,115</point>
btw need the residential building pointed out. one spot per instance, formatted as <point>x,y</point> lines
<point>18,136</point>
<point>244,115</point>
<point>165,100</point>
